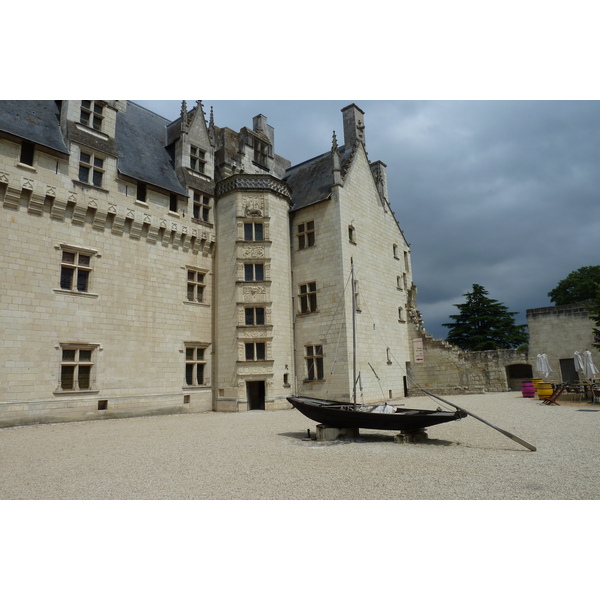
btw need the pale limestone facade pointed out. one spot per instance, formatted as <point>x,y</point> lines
<point>151,267</point>
<point>559,332</point>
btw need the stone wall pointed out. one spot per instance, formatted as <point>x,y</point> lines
<point>446,369</point>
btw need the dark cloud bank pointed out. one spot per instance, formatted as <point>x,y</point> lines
<point>500,193</point>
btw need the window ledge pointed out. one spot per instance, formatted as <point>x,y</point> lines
<point>201,222</point>
<point>90,186</point>
<point>172,213</point>
<point>306,248</point>
<point>195,387</point>
<point>307,314</point>
<point>73,293</point>
<point>265,362</point>
<point>92,131</point>
<point>192,303</point>
<point>75,392</point>
<point>143,203</point>
<point>26,167</point>
<point>254,242</point>
<point>314,380</point>
<point>197,174</point>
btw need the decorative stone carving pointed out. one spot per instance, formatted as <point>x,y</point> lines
<point>253,251</point>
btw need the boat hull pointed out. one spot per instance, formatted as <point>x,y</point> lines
<point>343,414</point>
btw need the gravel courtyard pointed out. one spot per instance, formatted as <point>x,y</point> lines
<point>263,455</point>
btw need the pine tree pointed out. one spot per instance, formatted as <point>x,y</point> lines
<point>484,324</point>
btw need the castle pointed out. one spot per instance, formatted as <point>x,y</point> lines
<point>153,267</point>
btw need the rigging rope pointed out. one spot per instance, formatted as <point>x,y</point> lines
<point>395,360</point>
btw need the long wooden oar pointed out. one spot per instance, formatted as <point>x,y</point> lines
<point>502,431</point>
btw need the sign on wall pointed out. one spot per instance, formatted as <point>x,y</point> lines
<point>418,350</point>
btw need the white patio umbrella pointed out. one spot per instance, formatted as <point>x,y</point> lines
<point>589,368</point>
<point>543,366</point>
<point>579,363</point>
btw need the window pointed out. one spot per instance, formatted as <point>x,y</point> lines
<point>141,192</point>
<point>195,364</point>
<point>196,285</point>
<point>352,234</point>
<point>173,204</point>
<point>91,114</point>
<point>197,160</point>
<point>400,314</point>
<point>253,232</point>
<point>261,152</point>
<point>27,151</point>
<point>308,297</point>
<point>395,250</point>
<point>253,272</point>
<point>75,269</point>
<point>255,351</point>
<point>201,207</point>
<point>314,362</point>
<point>91,169</point>
<point>76,367</point>
<point>255,316</point>
<point>306,235</point>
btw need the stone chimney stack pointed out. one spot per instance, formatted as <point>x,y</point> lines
<point>259,124</point>
<point>354,125</point>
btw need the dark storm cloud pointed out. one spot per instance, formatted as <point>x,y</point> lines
<point>504,194</point>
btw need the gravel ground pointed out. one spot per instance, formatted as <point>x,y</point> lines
<point>262,455</point>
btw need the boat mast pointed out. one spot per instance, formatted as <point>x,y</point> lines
<point>353,332</point>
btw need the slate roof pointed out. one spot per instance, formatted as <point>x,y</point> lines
<point>141,137</point>
<point>311,180</point>
<point>37,121</point>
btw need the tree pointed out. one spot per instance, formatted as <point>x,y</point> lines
<point>484,324</point>
<point>578,286</point>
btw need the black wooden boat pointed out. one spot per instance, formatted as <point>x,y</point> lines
<point>350,414</point>
<point>387,417</point>
<point>346,414</point>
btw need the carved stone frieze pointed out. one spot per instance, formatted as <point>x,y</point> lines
<point>246,181</point>
<point>252,251</point>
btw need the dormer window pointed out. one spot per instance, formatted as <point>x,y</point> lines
<point>201,207</point>
<point>197,159</point>
<point>91,114</point>
<point>261,152</point>
<point>91,169</point>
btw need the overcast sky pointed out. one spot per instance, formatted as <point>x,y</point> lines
<point>505,194</point>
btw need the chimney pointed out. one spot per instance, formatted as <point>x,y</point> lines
<point>259,124</point>
<point>354,125</point>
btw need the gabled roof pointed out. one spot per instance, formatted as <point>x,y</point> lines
<point>37,121</point>
<point>140,138</point>
<point>311,180</point>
